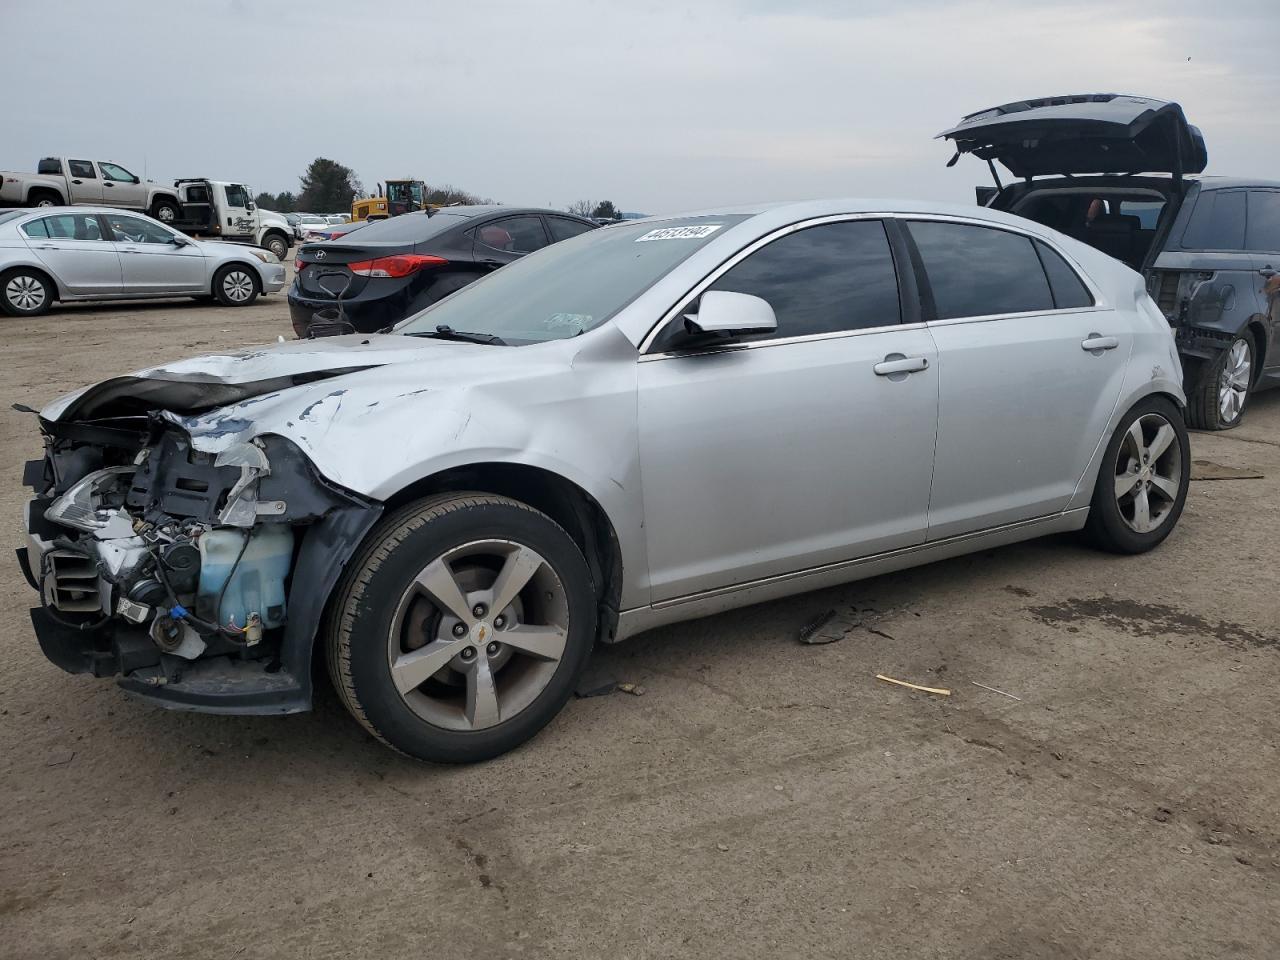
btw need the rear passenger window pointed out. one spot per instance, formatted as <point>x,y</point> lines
<point>824,279</point>
<point>562,229</point>
<point>82,169</point>
<point>1065,284</point>
<point>1217,223</point>
<point>979,271</point>
<point>514,234</point>
<point>1264,220</point>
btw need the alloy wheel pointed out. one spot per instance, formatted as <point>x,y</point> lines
<point>1148,473</point>
<point>45,202</point>
<point>165,215</point>
<point>238,286</point>
<point>1233,381</point>
<point>478,635</point>
<point>25,293</point>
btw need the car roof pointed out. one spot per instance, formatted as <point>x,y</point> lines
<point>80,208</point>
<point>1224,183</point>
<point>483,209</point>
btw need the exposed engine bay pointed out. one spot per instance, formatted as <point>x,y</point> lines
<point>175,566</point>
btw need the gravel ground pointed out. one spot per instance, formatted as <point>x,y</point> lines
<point>761,799</point>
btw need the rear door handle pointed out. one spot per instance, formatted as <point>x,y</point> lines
<point>897,363</point>
<point>1095,343</point>
<point>1268,272</point>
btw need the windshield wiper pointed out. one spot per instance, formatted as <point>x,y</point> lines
<point>446,332</point>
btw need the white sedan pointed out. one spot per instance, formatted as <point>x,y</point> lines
<point>53,254</point>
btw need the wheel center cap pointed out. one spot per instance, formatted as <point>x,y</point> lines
<point>483,631</point>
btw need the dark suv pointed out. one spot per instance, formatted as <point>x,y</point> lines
<point>1119,173</point>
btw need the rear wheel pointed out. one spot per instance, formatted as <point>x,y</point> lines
<point>166,211</point>
<point>235,285</point>
<point>44,198</point>
<point>1225,387</point>
<point>460,629</point>
<point>24,293</point>
<point>1142,483</point>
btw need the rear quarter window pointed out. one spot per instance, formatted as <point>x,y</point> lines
<point>1069,291</point>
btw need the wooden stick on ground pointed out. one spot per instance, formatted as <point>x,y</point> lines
<point>912,686</point>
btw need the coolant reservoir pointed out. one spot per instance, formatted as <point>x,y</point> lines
<point>257,585</point>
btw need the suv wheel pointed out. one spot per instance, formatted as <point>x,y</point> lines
<point>460,628</point>
<point>1225,387</point>
<point>1142,483</point>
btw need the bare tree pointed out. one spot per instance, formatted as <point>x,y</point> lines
<point>582,208</point>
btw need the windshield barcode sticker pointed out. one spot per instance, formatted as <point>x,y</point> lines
<point>681,233</point>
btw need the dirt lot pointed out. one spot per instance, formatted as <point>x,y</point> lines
<point>762,799</point>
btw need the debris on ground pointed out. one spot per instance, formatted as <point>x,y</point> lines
<point>1208,470</point>
<point>584,691</point>
<point>994,690</point>
<point>940,691</point>
<point>593,688</point>
<point>62,759</point>
<point>827,628</point>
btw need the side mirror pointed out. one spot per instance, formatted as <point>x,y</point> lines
<point>722,313</point>
<point>250,205</point>
<point>179,241</point>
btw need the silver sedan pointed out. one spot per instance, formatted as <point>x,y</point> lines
<point>646,423</point>
<point>97,253</point>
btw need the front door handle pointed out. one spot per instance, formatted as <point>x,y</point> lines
<point>1095,343</point>
<point>1268,271</point>
<point>897,363</point>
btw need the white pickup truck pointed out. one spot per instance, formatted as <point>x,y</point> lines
<point>59,182</point>
<point>226,211</point>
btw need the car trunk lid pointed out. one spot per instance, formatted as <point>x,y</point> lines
<point>324,271</point>
<point>1080,134</point>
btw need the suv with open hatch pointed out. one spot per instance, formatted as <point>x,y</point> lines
<point>1122,174</point>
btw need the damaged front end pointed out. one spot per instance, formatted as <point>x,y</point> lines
<point>197,572</point>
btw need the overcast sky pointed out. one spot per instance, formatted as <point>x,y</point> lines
<point>657,106</point>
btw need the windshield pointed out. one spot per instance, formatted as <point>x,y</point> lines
<point>572,286</point>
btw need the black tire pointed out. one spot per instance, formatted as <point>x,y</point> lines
<point>229,285</point>
<point>278,244</point>
<point>446,285</point>
<point>166,210</point>
<point>25,292</point>
<point>362,617</point>
<point>1110,525</point>
<point>1204,408</point>
<point>44,198</point>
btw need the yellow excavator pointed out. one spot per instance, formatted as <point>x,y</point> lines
<point>400,196</point>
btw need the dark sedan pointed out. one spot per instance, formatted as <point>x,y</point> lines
<point>393,268</point>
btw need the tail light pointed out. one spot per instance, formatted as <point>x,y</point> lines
<point>400,265</point>
<point>298,264</point>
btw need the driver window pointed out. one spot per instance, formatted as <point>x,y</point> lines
<point>111,171</point>
<point>137,230</point>
<point>824,279</point>
<point>237,195</point>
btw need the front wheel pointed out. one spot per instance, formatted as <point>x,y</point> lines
<point>235,286</point>
<point>460,628</point>
<point>278,245</point>
<point>1142,483</point>
<point>1225,386</point>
